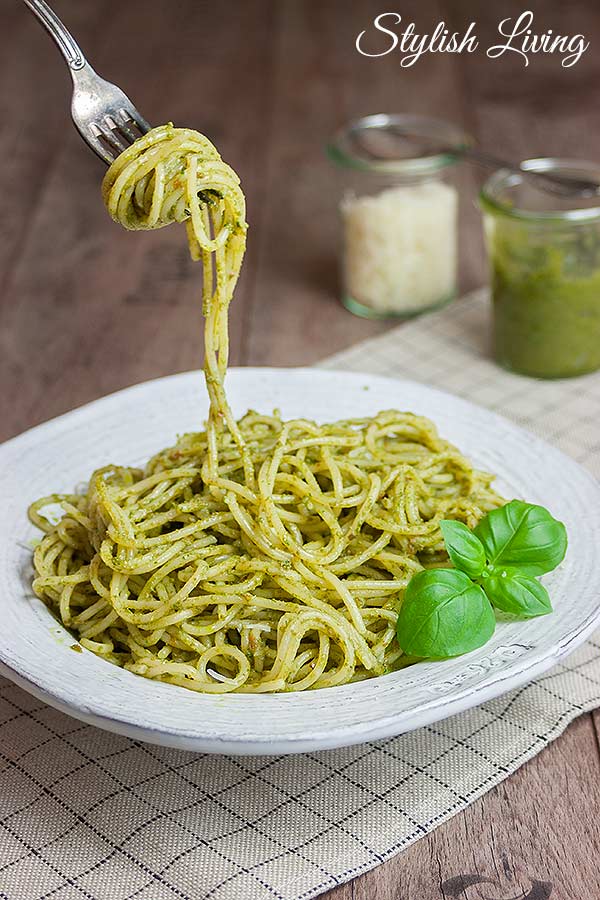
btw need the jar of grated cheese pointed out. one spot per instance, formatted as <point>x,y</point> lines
<point>399,210</point>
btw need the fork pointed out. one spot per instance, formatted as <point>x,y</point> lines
<point>105,117</point>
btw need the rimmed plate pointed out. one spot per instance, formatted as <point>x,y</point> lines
<point>128,427</point>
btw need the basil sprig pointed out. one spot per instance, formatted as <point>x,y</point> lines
<point>447,612</point>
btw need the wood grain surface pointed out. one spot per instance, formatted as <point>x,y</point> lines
<point>86,309</point>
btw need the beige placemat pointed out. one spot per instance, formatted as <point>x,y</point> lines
<point>87,814</point>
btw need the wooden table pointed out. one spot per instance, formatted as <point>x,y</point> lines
<point>86,309</point>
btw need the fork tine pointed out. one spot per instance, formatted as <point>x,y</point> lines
<point>102,143</point>
<point>116,131</point>
<point>114,134</point>
<point>129,127</point>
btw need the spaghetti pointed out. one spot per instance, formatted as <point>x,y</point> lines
<point>259,555</point>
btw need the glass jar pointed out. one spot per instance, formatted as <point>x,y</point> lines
<point>398,213</point>
<point>544,253</point>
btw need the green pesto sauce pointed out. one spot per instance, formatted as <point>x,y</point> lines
<point>546,295</point>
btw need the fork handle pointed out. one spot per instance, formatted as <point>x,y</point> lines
<point>65,41</point>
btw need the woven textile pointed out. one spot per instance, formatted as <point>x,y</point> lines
<point>88,814</point>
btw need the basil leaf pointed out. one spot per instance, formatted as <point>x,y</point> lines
<point>518,594</point>
<point>464,548</point>
<point>523,536</point>
<point>444,614</point>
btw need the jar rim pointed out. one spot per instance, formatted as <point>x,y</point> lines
<point>341,148</point>
<point>490,194</point>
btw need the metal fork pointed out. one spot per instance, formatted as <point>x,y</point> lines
<point>105,117</point>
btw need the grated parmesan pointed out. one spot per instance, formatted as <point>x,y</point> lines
<point>400,248</point>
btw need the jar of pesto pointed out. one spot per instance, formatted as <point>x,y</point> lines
<point>544,253</point>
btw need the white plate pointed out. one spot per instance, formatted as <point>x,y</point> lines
<point>130,426</point>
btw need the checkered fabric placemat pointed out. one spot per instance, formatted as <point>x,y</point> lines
<point>87,814</point>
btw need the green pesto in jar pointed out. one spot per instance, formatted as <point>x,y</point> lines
<point>546,296</point>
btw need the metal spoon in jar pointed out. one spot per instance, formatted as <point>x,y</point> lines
<point>378,142</point>
<point>563,185</point>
